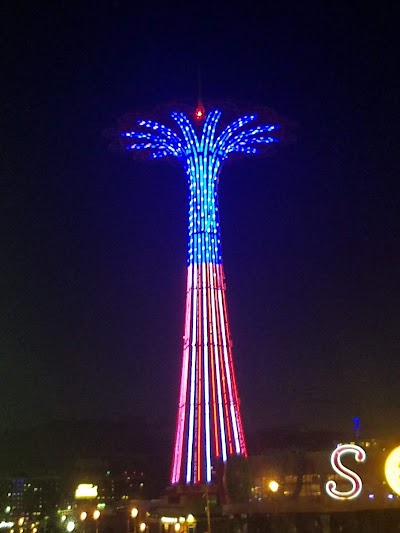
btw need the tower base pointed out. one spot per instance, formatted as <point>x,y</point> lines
<point>198,500</point>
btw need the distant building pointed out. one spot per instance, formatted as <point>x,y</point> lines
<point>34,496</point>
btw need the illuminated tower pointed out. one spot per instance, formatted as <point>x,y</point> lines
<point>209,425</point>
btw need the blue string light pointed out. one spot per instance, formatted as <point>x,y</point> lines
<point>202,157</point>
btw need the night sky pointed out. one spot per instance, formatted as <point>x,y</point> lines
<point>93,243</point>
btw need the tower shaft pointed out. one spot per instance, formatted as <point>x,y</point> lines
<point>209,426</point>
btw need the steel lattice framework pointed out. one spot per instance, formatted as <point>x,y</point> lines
<point>209,425</point>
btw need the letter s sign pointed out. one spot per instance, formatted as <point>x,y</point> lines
<point>349,475</point>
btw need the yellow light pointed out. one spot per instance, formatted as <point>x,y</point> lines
<point>134,512</point>
<point>96,514</point>
<point>83,515</point>
<point>273,486</point>
<point>190,519</point>
<point>20,521</point>
<point>392,470</point>
<point>177,526</point>
<point>142,527</point>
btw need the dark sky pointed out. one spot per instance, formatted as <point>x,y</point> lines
<point>93,243</point>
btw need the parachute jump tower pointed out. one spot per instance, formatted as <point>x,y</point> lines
<point>209,426</point>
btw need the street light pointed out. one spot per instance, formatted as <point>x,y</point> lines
<point>96,516</point>
<point>133,515</point>
<point>83,517</point>
<point>70,526</point>
<point>273,486</point>
<point>142,527</point>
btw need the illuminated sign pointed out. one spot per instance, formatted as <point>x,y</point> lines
<point>392,472</point>
<point>86,491</point>
<point>346,473</point>
<point>392,469</point>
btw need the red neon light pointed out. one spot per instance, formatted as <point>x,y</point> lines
<point>206,300</point>
<point>200,111</point>
<point>233,380</point>
<point>213,378</point>
<point>225,393</point>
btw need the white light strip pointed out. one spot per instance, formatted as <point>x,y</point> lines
<point>217,370</point>
<point>236,404</point>
<point>228,373</point>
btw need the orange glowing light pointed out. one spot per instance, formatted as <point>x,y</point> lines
<point>199,113</point>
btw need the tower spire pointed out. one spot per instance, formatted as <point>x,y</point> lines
<point>200,109</point>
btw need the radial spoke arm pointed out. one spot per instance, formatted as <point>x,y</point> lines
<point>209,128</point>
<point>245,140</point>
<point>192,143</point>
<point>227,133</point>
<point>150,141</point>
<point>160,128</point>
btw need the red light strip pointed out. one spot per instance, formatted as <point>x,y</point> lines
<point>242,443</point>
<point>177,461</point>
<point>208,400</point>
<point>191,428</point>
<point>222,366</point>
<point>226,346</point>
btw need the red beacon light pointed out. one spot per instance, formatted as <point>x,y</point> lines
<point>200,111</point>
